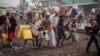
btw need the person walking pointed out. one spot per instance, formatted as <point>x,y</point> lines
<point>93,32</point>
<point>11,29</point>
<point>60,31</point>
<point>2,29</point>
<point>72,24</point>
<point>72,28</point>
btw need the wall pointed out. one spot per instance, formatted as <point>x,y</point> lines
<point>76,1</point>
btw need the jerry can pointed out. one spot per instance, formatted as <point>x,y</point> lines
<point>27,34</point>
<point>20,34</point>
<point>5,38</point>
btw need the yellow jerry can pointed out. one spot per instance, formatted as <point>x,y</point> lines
<point>5,38</point>
<point>20,34</point>
<point>27,34</point>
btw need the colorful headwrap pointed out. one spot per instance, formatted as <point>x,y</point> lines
<point>2,12</point>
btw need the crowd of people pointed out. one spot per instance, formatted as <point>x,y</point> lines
<point>49,27</point>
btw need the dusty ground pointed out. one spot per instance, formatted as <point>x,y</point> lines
<point>67,50</point>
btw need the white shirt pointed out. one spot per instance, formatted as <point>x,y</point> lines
<point>54,20</point>
<point>47,13</point>
<point>38,23</point>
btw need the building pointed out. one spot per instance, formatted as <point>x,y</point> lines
<point>23,4</point>
<point>49,3</point>
<point>84,5</point>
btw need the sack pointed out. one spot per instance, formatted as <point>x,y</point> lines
<point>27,34</point>
<point>20,34</point>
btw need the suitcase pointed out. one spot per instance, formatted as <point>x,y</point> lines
<point>27,34</point>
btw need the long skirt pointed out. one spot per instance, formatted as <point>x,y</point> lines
<point>11,35</point>
<point>52,39</point>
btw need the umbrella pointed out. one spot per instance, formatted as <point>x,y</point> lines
<point>2,12</point>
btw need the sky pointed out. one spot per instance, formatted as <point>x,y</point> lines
<point>11,2</point>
